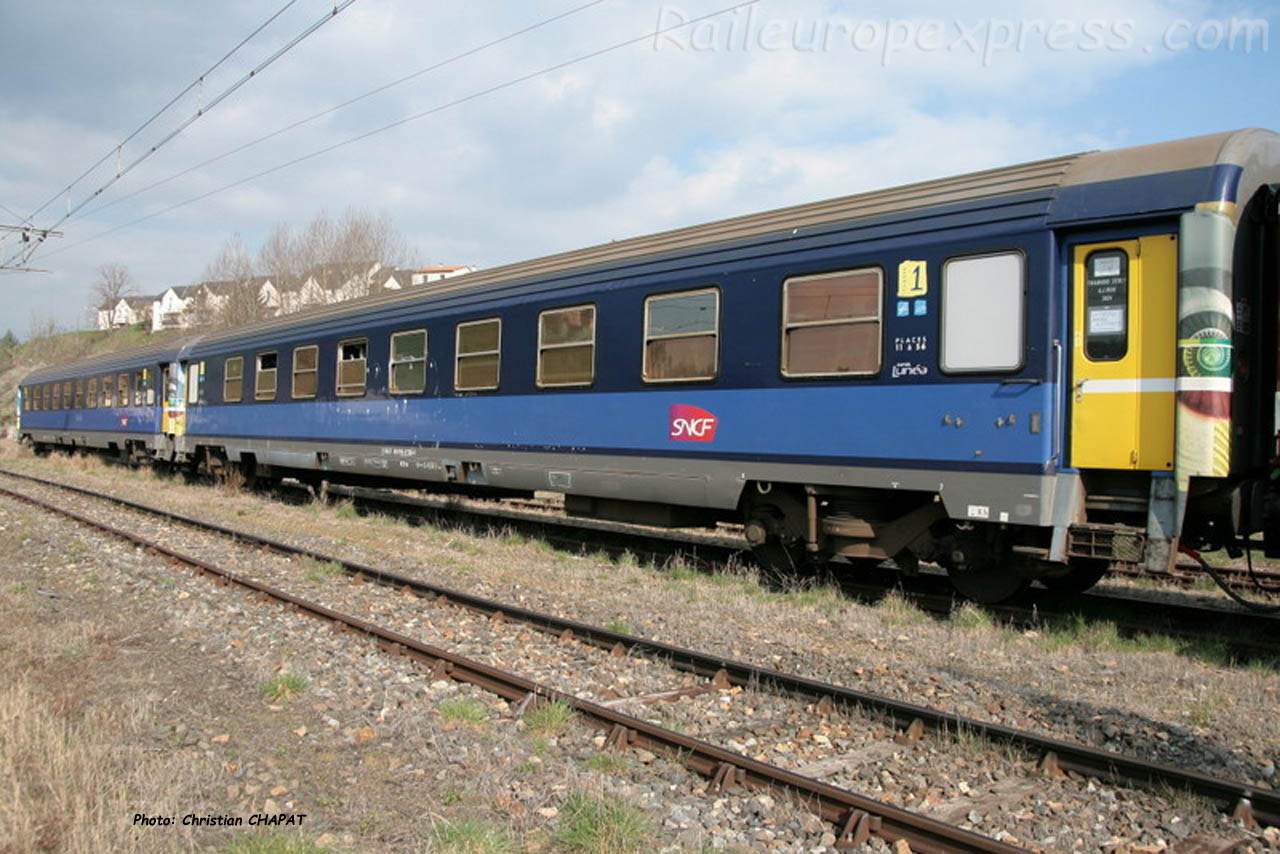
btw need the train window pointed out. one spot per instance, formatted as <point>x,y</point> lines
<point>567,346</point>
<point>75,399</point>
<point>47,402</point>
<point>682,336</point>
<point>408,364</point>
<point>91,399</point>
<point>57,396</point>
<point>28,399</point>
<point>233,379</point>
<point>479,346</point>
<point>108,391</point>
<point>264,381</point>
<point>1106,305</point>
<point>305,361</point>
<point>353,360</point>
<point>982,312</point>
<point>122,390</point>
<point>193,382</point>
<point>831,323</point>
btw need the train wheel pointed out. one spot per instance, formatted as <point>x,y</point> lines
<point>1080,576</point>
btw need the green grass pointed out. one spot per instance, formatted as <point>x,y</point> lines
<point>622,627</point>
<point>470,836</point>
<point>469,712</point>
<point>283,686</point>
<point>548,719</point>
<point>346,510</point>
<point>272,843</point>
<point>607,762</point>
<point>1098,635</point>
<point>895,610</point>
<point>322,570</point>
<point>971,617</point>
<point>678,570</point>
<point>824,597</point>
<point>593,825</point>
<point>1202,712</point>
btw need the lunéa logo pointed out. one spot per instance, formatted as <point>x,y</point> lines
<point>691,424</point>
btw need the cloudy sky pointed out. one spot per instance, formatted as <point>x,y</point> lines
<point>768,104</point>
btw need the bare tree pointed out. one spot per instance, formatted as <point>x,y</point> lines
<point>279,258</point>
<point>112,283</point>
<point>231,295</point>
<point>342,253</point>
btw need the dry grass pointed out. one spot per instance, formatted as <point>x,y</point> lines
<point>1057,668</point>
<point>60,785</point>
<point>71,772</point>
<point>76,762</point>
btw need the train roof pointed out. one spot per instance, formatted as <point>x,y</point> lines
<point>1158,179</point>
<point>121,360</point>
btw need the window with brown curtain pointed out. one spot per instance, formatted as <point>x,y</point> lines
<point>567,346</point>
<point>682,336</point>
<point>305,361</point>
<point>479,355</point>
<point>831,324</point>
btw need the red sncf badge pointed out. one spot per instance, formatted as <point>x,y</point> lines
<point>691,424</point>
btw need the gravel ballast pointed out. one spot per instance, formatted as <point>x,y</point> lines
<point>1183,711</point>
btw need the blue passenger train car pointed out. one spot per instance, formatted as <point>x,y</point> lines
<point>1024,373</point>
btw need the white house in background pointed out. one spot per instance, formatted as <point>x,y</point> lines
<point>173,308</point>
<point>212,296</point>
<point>301,293</point>
<point>184,306</point>
<point>390,279</point>
<point>427,275</point>
<point>125,311</point>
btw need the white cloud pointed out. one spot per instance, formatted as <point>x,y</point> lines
<point>631,142</point>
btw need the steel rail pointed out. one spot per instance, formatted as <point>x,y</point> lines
<point>855,817</point>
<point>1253,634</point>
<point>1239,798</point>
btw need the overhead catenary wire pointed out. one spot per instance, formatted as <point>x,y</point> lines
<point>408,119</point>
<point>335,108</point>
<point>219,98</point>
<point>158,113</point>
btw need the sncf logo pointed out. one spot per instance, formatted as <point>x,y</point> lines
<point>691,424</point>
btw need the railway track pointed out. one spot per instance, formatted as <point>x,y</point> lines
<point>1261,580</point>
<point>856,818</point>
<point>1243,635</point>
<point>1056,756</point>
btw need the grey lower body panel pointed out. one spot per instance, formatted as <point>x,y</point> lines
<point>1015,499</point>
<point>100,439</point>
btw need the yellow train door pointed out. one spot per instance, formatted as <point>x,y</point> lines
<point>1125,317</point>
